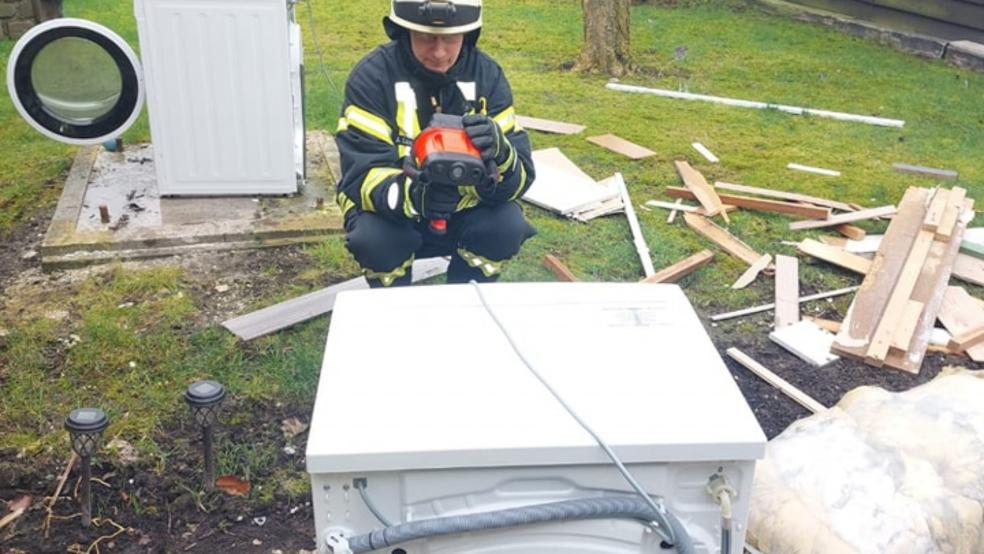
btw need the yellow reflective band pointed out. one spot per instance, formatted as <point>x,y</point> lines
<point>407,201</point>
<point>374,177</point>
<point>387,277</point>
<point>506,119</point>
<point>522,183</point>
<point>488,267</point>
<point>369,123</point>
<point>510,160</point>
<point>469,198</point>
<point>344,202</point>
<point>342,125</point>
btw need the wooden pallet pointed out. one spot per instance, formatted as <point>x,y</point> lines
<point>892,315</point>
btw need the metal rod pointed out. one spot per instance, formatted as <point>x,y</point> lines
<point>208,480</point>
<point>86,492</point>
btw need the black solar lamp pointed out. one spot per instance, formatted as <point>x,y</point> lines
<point>205,398</point>
<point>85,426</point>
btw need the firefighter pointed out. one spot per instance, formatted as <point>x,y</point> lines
<point>431,65</point>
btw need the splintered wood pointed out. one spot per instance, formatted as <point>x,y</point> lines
<point>892,316</point>
<point>722,238</point>
<point>703,192</point>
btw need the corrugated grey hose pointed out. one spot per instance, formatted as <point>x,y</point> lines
<point>612,507</point>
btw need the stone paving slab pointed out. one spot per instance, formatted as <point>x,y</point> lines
<point>144,225</point>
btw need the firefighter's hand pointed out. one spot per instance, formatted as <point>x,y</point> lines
<point>488,138</point>
<point>434,201</point>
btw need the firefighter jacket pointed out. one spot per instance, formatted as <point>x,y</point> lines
<point>390,96</point>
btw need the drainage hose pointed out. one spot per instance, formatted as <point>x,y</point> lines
<point>614,507</point>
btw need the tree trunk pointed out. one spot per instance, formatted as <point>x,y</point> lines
<point>606,37</point>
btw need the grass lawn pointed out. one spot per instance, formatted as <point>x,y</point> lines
<point>131,340</point>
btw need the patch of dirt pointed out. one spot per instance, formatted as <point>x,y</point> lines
<point>166,512</point>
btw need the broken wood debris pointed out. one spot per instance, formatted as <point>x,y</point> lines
<point>703,192</point>
<point>925,171</point>
<point>807,341</point>
<point>773,206</point>
<point>852,232</point>
<point>787,291</point>
<point>670,218</point>
<point>559,269</point>
<point>621,146</point>
<point>679,206</point>
<point>961,313</point>
<point>834,255</point>
<point>549,126</point>
<point>815,170</point>
<point>563,188</point>
<point>851,217</point>
<point>752,272</point>
<point>770,306</point>
<point>705,152</point>
<point>291,312</point>
<point>722,238</point>
<point>789,196</point>
<point>768,376</point>
<point>640,241</point>
<point>890,320</point>
<point>795,110</point>
<point>681,269</point>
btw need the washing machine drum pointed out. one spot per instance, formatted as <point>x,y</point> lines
<point>75,81</point>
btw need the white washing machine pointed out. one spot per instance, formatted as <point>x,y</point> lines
<point>222,80</point>
<point>424,405</point>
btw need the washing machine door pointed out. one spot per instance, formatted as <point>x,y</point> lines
<point>75,81</point>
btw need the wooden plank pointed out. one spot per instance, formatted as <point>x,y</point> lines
<point>925,171</point>
<point>772,206</point>
<point>672,217</point>
<point>682,268</point>
<point>789,390</point>
<point>950,215</point>
<point>966,340</point>
<point>559,269</point>
<point>881,340</point>
<point>839,243</point>
<point>621,146</point>
<point>637,237</point>
<point>906,325</point>
<point>828,324</point>
<point>934,215</point>
<point>291,312</point>
<point>930,289</point>
<point>968,269</point>
<point>770,306</point>
<point>671,206</point>
<point>705,152</point>
<point>811,169</point>
<point>703,192</point>
<point>722,238</point>
<point>852,232</point>
<point>548,126</point>
<point>834,255</point>
<point>869,303</point>
<point>787,291</point>
<point>790,196</point>
<point>807,341</point>
<point>860,215</point>
<point>960,312</point>
<point>752,272</point>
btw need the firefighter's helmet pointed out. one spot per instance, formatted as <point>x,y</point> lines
<point>439,18</point>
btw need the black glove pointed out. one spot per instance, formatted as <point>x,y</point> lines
<point>488,138</point>
<point>433,201</point>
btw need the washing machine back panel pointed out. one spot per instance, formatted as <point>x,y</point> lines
<point>218,76</point>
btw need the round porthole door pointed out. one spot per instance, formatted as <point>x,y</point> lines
<point>75,81</point>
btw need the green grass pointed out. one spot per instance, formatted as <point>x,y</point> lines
<point>731,51</point>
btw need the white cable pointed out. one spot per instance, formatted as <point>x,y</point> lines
<point>663,525</point>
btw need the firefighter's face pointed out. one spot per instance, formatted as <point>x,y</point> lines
<point>437,52</point>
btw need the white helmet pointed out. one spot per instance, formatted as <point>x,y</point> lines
<point>438,18</point>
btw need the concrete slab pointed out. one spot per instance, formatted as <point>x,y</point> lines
<point>966,53</point>
<point>142,224</point>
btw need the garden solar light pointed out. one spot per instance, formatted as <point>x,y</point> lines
<point>204,398</point>
<point>85,425</point>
